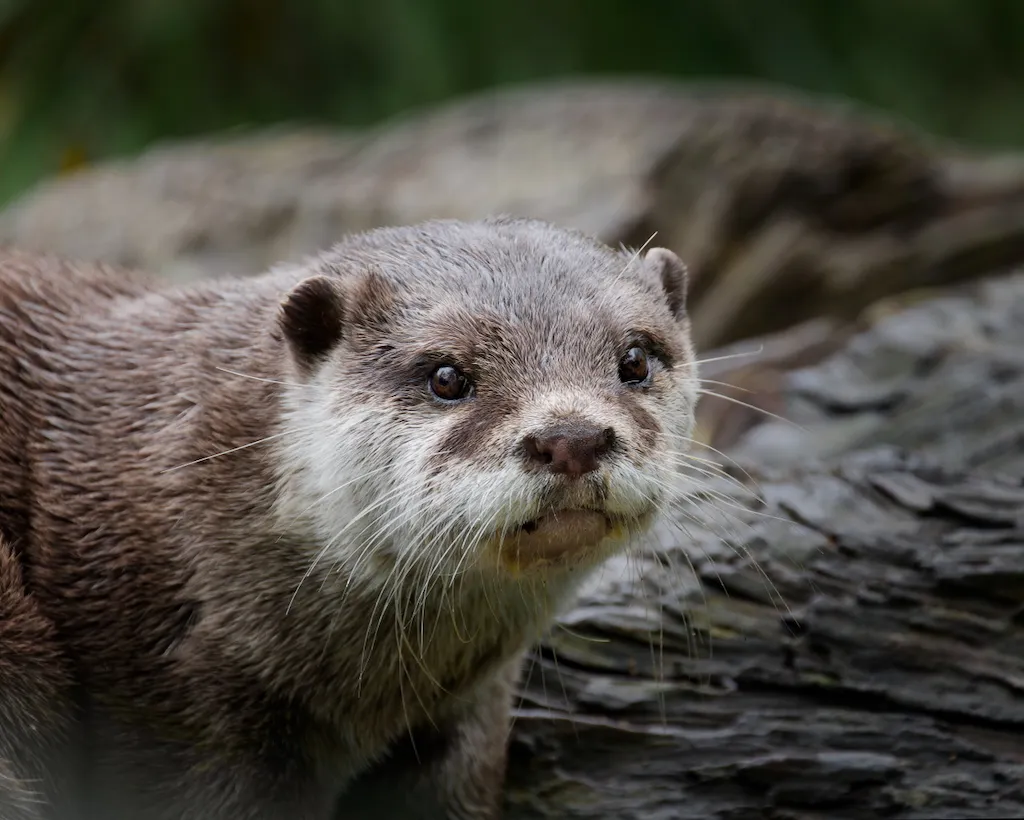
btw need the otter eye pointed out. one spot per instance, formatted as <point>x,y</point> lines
<point>634,369</point>
<point>449,384</point>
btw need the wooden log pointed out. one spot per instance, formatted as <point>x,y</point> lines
<point>844,640</point>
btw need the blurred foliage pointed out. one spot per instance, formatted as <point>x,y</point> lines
<point>86,79</point>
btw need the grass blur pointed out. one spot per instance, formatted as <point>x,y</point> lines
<point>81,81</point>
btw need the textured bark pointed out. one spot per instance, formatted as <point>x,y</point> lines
<point>851,645</point>
<point>785,206</point>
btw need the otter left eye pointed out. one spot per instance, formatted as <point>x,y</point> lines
<point>634,367</point>
<point>449,384</point>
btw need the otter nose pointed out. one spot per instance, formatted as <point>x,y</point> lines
<point>572,449</point>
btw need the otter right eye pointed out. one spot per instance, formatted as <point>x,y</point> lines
<point>634,367</point>
<point>448,384</point>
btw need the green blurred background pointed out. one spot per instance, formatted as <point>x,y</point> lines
<point>81,80</point>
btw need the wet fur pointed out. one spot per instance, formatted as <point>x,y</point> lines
<point>242,636</point>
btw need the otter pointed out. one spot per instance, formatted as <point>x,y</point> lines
<point>276,547</point>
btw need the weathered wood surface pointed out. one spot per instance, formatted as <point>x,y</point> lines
<point>852,647</point>
<point>939,374</point>
<point>786,206</point>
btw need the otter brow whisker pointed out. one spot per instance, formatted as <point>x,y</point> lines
<point>626,267</point>
<point>727,356</point>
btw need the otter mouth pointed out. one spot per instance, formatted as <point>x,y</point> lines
<point>558,537</point>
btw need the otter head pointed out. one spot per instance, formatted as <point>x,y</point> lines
<point>501,397</point>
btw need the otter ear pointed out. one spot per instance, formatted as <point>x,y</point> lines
<point>671,273</point>
<point>311,318</point>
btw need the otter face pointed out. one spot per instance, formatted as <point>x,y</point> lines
<point>497,397</point>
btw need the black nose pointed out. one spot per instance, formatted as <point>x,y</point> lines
<point>571,448</point>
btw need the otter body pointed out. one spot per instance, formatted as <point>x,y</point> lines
<point>275,547</point>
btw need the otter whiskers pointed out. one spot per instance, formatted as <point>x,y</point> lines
<point>381,502</point>
<point>263,379</point>
<point>289,432</point>
<point>704,392</point>
<point>727,356</point>
<point>634,255</point>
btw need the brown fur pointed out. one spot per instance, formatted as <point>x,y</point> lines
<point>34,711</point>
<point>159,657</point>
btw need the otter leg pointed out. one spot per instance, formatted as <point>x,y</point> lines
<point>33,687</point>
<point>453,772</point>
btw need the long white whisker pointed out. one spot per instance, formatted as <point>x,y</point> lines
<point>726,384</point>
<point>334,539</point>
<point>340,487</point>
<point>728,458</point>
<point>752,407</point>
<point>289,432</point>
<point>626,267</point>
<point>728,356</point>
<point>263,380</point>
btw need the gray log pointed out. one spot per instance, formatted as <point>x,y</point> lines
<point>849,646</point>
<point>786,206</point>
